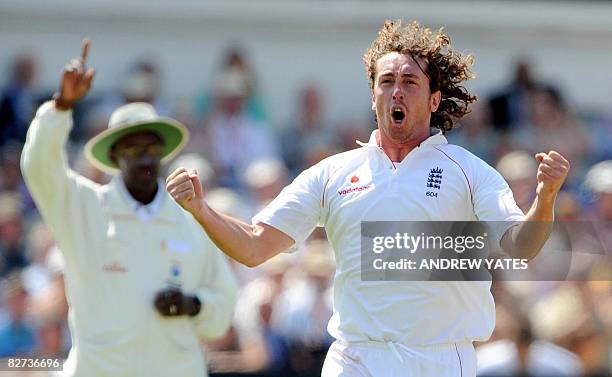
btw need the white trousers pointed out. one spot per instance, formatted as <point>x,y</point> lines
<point>388,359</point>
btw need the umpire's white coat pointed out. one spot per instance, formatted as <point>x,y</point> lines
<point>116,263</point>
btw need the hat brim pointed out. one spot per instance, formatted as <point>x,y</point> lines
<point>174,134</point>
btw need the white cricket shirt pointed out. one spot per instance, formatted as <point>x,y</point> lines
<point>364,185</point>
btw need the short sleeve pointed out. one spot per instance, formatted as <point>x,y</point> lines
<point>297,210</point>
<point>494,201</point>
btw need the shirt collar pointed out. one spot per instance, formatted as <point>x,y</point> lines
<point>435,137</point>
<point>152,208</point>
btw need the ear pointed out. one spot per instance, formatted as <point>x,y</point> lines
<point>434,101</point>
<point>373,102</point>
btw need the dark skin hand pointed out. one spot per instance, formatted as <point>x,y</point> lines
<point>172,302</point>
<point>76,80</point>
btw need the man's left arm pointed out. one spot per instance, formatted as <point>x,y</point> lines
<point>217,295</point>
<point>210,305</point>
<point>525,240</point>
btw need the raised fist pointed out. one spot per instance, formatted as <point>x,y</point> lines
<point>552,171</point>
<point>185,187</point>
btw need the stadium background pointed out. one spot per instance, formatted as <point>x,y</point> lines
<point>293,71</point>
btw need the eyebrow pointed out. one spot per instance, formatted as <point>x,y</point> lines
<point>409,75</point>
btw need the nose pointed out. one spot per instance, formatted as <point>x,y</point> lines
<point>397,93</point>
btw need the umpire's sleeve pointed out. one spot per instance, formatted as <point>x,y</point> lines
<point>60,194</point>
<point>217,294</point>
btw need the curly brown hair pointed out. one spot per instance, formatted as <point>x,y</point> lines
<point>446,68</point>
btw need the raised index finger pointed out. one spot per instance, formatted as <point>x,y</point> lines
<point>85,50</point>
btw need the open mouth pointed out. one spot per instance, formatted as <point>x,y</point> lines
<point>398,115</point>
<point>145,172</point>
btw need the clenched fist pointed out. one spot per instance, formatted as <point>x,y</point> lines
<point>76,80</point>
<point>185,187</point>
<point>552,171</point>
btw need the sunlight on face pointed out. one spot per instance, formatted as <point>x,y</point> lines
<point>402,99</point>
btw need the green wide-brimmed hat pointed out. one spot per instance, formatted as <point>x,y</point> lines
<point>130,118</point>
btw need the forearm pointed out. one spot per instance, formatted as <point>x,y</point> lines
<point>44,163</point>
<point>44,151</point>
<point>242,242</point>
<point>527,239</point>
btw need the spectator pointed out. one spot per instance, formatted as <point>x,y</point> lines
<point>518,168</point>
<point>510,106</point>
<point>260,348</point>
<point>18,100</point>
<point>526,357</point>
<point>12,247</point>
<point>564,317</point>
<point>569,207</point>
<point>40,272</point>
<point>265,178</point>
<point>599,181</point>
<point>10,175</point>
<point>601,131</point>
<point>234,138</point>
<point>43,278</point>
<point>197,162</point>
<point>17,335</point>
<point>141,83</point>
<point>477,135</point>
<point>306,130</point>
<point>552,126</point>
<point>234,62</point>
<point>515,350</point>
<point>305,307</point>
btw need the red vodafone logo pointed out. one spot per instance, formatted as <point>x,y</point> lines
<point>354,188</point>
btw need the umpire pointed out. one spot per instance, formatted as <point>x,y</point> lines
<point>144,284</point>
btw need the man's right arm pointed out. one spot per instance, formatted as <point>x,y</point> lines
<point>249,244</point>
<point>44,164</point>
<point>43,159</point>
<point>288,220</point>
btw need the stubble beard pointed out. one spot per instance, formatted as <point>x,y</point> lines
<point>397,135</point>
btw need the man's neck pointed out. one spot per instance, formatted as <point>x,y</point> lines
<point>397,152</point>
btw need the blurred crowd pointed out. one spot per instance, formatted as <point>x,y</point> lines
<point>544,328</point>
